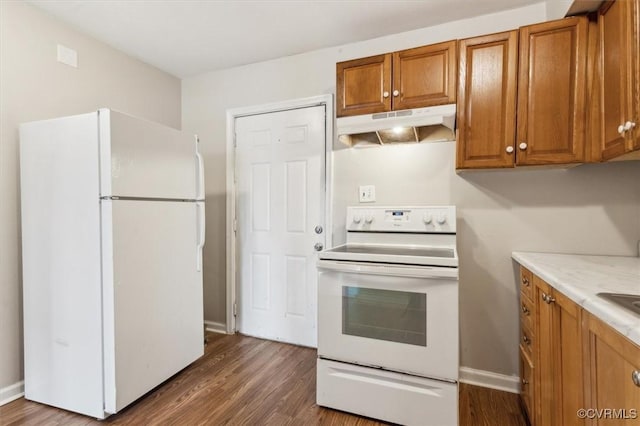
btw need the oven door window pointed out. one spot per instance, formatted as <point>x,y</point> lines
<point>395,316</point>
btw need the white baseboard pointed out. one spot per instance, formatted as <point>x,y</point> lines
<point>488,379</point>
<point>11,393</point>
<point>216,327</point>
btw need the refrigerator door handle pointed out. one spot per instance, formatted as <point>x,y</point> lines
<point>201,224</point>
<point>200,193</point>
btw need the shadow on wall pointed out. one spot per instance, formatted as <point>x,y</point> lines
<point>565,199</point>
<point>480,296</point>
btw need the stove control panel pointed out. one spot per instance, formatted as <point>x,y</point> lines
<point>427,219</point>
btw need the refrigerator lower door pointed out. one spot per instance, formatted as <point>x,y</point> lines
<point>152,292</point>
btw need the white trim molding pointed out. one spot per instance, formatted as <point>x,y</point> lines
<point>488,379</point>
<point>11,393</point>
<point>215,327</point>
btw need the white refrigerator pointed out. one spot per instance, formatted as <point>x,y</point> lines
<point>112,236</point>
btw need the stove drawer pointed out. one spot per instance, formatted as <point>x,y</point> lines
<point>385,395</point>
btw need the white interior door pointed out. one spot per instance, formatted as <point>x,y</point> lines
<point>280,159</point>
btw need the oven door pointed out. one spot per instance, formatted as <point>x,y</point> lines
<point>397,317</point>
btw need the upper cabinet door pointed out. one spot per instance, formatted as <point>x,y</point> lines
<point>487,101</point>
<point>364,85</point>
<point>635,53</point>
<point>425,76</point>
<point>551,92</point>
<point>616,44</point>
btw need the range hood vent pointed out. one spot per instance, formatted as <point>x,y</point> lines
<point>432,124</point>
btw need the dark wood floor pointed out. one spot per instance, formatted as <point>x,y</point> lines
<point>243,380</point>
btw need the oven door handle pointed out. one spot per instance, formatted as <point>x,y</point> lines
<point>389,270</point>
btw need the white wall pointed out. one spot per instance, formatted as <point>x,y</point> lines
<point>588,209</point>
<point>34,86</point>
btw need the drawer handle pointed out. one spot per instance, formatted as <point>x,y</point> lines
<point>525,339</point>
<point>635,376</point>
<point>548,298</point>
<point>525,310</point>
<point>525,281</point>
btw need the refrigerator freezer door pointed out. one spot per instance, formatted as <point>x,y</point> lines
<point>152,290</point>
<point>142,159</point>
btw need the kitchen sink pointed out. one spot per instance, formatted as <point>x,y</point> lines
<point>627,301</point>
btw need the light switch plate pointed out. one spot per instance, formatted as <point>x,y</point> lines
<point>367,193</point>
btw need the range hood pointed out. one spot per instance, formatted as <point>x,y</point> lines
<point>431,124</point>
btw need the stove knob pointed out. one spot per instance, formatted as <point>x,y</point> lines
<point>357,218</point>
<point>368,218</point>
<point>427,218</point>
<point>442,219</point>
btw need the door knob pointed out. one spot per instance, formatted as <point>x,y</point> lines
<point>318,246</point>
<point>318,229</point>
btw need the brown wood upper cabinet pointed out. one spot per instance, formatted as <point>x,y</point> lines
<point>487,100</point>
<point>548,66</point>
<point>619,68</point>
<point>413,78</point>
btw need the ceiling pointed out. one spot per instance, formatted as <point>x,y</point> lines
<point>189,37</point>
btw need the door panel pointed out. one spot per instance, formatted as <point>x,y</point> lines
<point>551,92</point>
<point>425,76</point>
<point>361,85</point>
<point>140,158</point>
<point>280,200</point>
<point>487,100</point>
<point>153,295</point>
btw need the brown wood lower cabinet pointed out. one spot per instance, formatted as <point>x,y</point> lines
<point>609,369</point>
<point>572,361</point>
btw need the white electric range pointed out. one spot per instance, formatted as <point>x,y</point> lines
<point>388,316</point>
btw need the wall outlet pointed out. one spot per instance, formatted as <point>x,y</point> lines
<point>367,193</point>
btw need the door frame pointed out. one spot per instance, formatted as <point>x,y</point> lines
<point>232,115</point>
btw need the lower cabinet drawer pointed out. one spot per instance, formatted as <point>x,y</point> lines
<point>526,385</point>
<point>527,340</point>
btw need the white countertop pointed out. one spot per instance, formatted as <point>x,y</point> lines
<point>581,277</point>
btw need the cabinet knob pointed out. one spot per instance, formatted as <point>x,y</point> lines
<point>525,281</point>
<point>525,339</point>
<point>509,149</point>
<point>522,146</point>
<point>525,382</point>
<point>525,310</point>
<point>635,376</point>
<point>396,93</point>
<point>629,125</point>
<point>385,94</point>
<point>548,298</point>
<point>621,129</point>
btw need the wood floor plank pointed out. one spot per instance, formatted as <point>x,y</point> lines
<point>244,380</point>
